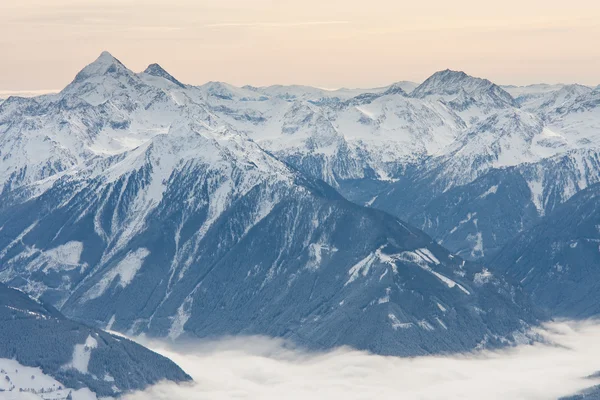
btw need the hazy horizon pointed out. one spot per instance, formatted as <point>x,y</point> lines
<point>37,92</point>
<point>332,45</point>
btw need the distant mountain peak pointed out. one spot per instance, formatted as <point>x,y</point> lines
<point>105,64</point>
<point>157,70</point>
<point>106,55</point>
<point>449,82</point>
<point>396,88</point>
<point>452,73</point>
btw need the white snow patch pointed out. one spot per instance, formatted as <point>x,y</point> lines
<point>126,270</point>
<point>362,266</point>
<point>63,257</point>
<point>16,377</point>
<point>82,354</point>
<point>477,250</point>
<point>17,240</point>
<point>490,191</point>
<point>110,324</point>
<point>18,382</point>
<point>428,255</point>
<point>439,321</point>
<point>396,324</point>
<point>537,194</point>
<point>180,319</point>
<point>423,262</point>
<point>425,325</point>
<point>315,251</point>
<point>385,299</point>
<point>27,312</point>
<point>483,277</point>
<point>383,275</point>
<point>370,202</point>
<point>68,253</point>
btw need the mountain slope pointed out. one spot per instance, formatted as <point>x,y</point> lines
<point>546,102</point>
<point>77,356</point>
<point>475,219</point>
<point>538,161</point>
<point>474,99</point>
<point>556,261</point>
<point>201,232</point>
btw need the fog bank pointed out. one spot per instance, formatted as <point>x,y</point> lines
<point>261,368</point>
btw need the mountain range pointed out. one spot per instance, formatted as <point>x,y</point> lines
<point>405,220</point>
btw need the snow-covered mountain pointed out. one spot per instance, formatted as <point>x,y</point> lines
<point>319,95</point>
<point>472,98</point>
<point>129,198</point>
<point>544,102</point>
<point>369,135</point>
<point>109,109</point>
<point>475,219</point>
<point>48,355</point>
<point>534,156</point>
<point>364,138</point>
<point>106,110</point>
<point>202,232</point>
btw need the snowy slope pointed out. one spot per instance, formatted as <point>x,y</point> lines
<point>335,135</point>
<point>538,89</point>
<point>338,136</point>
<point>106,110</point>
<point>317,95</point>
<point>369,135</point>
<point>545,102</point>
<point>21,382</point>
<point>579,118</point>
<point>472,98</point>
<point>505,139</point>
<point>457,119</point>
<point>539,153</point>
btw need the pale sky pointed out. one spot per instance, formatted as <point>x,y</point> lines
<point>325,43</point>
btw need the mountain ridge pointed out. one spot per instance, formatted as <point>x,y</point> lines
<point>160,226</point>
<point>353,140</point>
<point>175,189</point>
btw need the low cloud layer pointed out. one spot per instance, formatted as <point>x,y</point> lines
<point>260,368</point>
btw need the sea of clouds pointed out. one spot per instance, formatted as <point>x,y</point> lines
<point>270,369</point>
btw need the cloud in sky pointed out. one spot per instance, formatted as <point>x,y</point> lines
<point>268,369</point>
<point>274,24</point>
